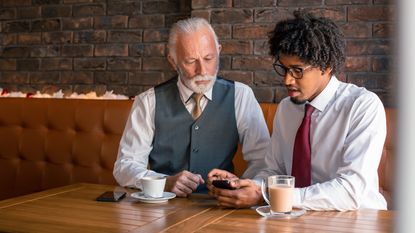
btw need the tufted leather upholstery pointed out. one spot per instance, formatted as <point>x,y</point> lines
<point>47,143</point>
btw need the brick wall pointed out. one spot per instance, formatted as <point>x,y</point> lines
<point>99,45</point>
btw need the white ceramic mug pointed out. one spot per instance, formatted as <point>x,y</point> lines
<point>153,186</point>
<point>278,193</point>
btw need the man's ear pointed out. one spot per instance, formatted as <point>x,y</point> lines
<point>171,61</point>
<point>326,71</point>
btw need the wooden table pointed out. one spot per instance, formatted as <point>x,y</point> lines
<point>74,209</point>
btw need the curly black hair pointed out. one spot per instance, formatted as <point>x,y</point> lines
<point>316,41</point>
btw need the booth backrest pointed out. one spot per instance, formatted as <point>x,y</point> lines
<point>46,143</point>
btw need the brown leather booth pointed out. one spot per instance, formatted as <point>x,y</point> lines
<point>46,143</point>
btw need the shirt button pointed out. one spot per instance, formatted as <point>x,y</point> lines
<point>195,150</point>
<point>196,127</point>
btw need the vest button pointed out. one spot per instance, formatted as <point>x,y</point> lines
<point>196,127</point>
<point>195,150</point>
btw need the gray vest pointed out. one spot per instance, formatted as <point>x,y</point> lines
<point>181,143</point>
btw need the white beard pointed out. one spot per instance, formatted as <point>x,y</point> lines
<point>191,82</point>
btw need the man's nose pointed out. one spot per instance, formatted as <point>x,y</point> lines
<point>201,68</point>
<point>288,79</point>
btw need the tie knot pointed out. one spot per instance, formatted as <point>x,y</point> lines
<point>196,97</point>
<point>308,110</point>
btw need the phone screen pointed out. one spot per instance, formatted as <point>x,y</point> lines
<point>111,196</point>
<point>223,184</point>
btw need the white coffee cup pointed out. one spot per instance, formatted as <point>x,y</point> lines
<point>278,193</point>
<point>153,186</point>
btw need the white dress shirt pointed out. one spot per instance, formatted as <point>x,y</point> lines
<point>136,142</point>
<point>347,133</point>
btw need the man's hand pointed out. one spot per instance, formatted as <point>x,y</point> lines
<point>246,194</point>
<point>183,183</point>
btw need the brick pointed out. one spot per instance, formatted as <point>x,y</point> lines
<point>370,13</point>
<point>368,47</point>
<point>88,10</point>
<point>16,26</point>
<point>89,63</point>
<point>267,78</point>
<point>279,94</point>
<point>8,39</point>
<point>348,2</point>
<point>251,31</point>
<point>261,47</point>
<point>203,4</point>
<point>14,77</point>
<point>117,88</point>
<point>236,47</point>
<point>51,77</point>
<point>111,50</point>
<point>16,3</point>
<point>76,23</point>
<point>265,15</point>
<point>7,64</point>
<point>381,64</point>
<point>28,12</point>
<point>146,21</point>
<point>155,35</point>
<point>14,51</point>
<point>118,21</point>
<point>254,3</point>
<point>110,77</point>
<point>232,16</point>
<point>225,62</point>
<point>77,51</point>
<point>124,8</point>
<point>96,36</point>
<point>223,31</point>
<point>57,37</point>
<point>157,7</point>
<point>356,64</point>
<point>8,13</point>
<point>136,50</point>
<point>29,38</point>
<point>145,78</point>
<point>84,89</point>
<point>46,25</point>
<point>155,63</point>
<point>236,75</point>
<point>264,94</point>
<point>129,63</point>
<point>383,30</point>
<point>334,13</point>
<point>252,63</point>
<point>77,1</point>
<point>134,90</point>
<point>125,36</point>
<point>155,50</point>
<point>77,77</point>
<point>205,14</point>
<point>356,30</point>
<point>370,81</point>
<point>300,3</point>
<point>381,2</point>
<point>170,19</point>
<point>56,11</point>
<point>46,2</point>
<point>27,64</point>
<point>56,64</point>
<point>45,51</point>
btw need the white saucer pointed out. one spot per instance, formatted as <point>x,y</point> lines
<point>140,196</point>
<point>265,212</point>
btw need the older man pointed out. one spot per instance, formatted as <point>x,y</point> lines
<point>327,133</point>
<point>192,123</point>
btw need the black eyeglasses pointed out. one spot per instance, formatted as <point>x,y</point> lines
<point>295,72</point>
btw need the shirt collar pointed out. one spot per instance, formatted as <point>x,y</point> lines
<point>186,93</point>
<point>320,102</point>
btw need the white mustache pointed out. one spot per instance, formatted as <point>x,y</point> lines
<point>203,78</point>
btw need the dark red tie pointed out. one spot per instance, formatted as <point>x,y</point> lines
<point>301,168</point>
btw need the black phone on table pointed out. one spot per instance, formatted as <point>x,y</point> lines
<point>110,196</point>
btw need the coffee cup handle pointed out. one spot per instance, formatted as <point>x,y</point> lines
<point>264,191</point>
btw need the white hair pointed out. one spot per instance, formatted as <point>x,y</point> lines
<point>188,26</point>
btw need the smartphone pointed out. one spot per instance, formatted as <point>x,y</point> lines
<point>111,196</point>
<point>223,184</point>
